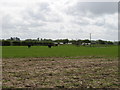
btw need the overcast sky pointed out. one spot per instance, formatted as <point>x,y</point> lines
<point>59,19</point>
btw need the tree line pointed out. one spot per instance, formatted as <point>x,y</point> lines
<point>45,42</point>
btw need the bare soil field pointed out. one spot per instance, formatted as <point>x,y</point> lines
<point>74,72</point>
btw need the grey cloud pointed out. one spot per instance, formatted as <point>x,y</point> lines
<point>81,22</point>
<point>44,7</point>
<point>37,24</point>
<point>7,22</point>
<point>42,12</point>
<point>38,12</point>
<point>46,21</point>
<point>100,22</point>
<point>35,16</point>
<point>10,24</point>
<point>111,27</point>
<point>111,34</point>
<point>97,8</point>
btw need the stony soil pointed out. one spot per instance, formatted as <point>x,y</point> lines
<point>74,72</point>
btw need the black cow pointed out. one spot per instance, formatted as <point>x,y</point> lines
<point>49,45</point>
<point>56,45</point>
<point>29,45</point>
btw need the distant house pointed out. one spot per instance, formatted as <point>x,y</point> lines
<point>69,43</point>
<point>56,43</point>
<point>116,43</point>
<point>93,42</point>
<point>86,44</point>
<point>61,43</point>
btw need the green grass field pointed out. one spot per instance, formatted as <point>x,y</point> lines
<point>60,51</point>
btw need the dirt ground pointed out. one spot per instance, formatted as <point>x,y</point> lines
<point>74,72</point>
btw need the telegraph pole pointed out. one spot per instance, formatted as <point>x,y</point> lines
<point>90,39</point>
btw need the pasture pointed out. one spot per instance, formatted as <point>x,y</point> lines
<point>65,66</point>
<point>60,51</point>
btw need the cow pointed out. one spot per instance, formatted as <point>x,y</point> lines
<point>49,46</point>
<point>29,45</point>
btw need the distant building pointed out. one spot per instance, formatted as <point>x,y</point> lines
<point>93,42</point>
<point>61,43</point>
<point>86,44</point>
<point>69,43</point>
<point>116,43</point>
<point>56,43</point>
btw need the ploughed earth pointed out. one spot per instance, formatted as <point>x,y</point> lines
<point>59,72</point>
